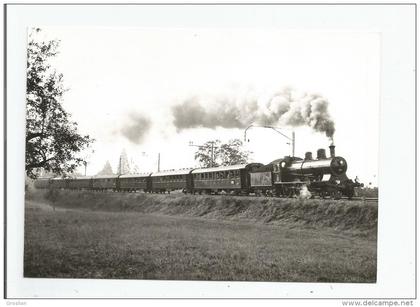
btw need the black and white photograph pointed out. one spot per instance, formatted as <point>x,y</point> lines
<point>205,152</point>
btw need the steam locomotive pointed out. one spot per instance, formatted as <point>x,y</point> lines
<point>286,177</point>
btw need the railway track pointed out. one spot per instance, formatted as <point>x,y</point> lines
<point>365,199</point>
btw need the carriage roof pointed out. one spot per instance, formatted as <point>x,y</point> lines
<point>223,168</point>
<point>185,171</point>
<point>105,177</point>
<point>81,177</point>
<point>135,175</point>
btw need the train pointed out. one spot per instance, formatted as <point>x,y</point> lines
<point>286,177</point>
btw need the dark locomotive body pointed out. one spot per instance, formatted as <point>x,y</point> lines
<point>323,176</point>
<point>286,177</point>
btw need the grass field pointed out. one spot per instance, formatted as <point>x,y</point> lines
<point>103,243</point>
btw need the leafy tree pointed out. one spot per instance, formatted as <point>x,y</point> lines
<point>107,169</point>
<point>232,153</point>
<point>52,139</point>
<point>208,153</point>
<point>214,153</point>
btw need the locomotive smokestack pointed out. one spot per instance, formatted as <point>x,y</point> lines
<point>320,154</point>
<point>308,155</point>
<point>332,150</point>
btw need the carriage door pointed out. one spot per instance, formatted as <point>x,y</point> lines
<point>277,172</point>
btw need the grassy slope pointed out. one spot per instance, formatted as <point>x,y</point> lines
<point>155,245</point>
<point>355,217</point>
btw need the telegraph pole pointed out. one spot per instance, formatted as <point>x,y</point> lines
<point>212,153</point>
<point>293,143</point>
<point>120,166</point>
<point>158,163</point>
<point>212,150</point>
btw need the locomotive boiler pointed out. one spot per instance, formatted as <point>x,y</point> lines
<point>323,176</point>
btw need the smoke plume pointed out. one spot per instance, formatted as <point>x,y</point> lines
<point>136,128</point>
<point>304,193</point>
<point>285,108</point>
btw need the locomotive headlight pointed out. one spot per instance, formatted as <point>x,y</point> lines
<point>283,164</point>
<point>338,165</point>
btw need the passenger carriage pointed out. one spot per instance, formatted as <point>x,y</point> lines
<point>58,183</point>
<point>42,183</point>
<point>104,182</point>
<point>80,183</point>
<point>134,182</point>
<point>232,179</point>
<point>172,180</point>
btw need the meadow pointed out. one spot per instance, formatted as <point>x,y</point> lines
<point>186,237</point>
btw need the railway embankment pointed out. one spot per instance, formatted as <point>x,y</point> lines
<point>355,217</point>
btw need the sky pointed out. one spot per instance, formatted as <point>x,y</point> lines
<point>124,84</point>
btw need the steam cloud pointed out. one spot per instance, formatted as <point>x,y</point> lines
<point>285,107</point>
<point>304,193</point>
<point>136,128</point>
